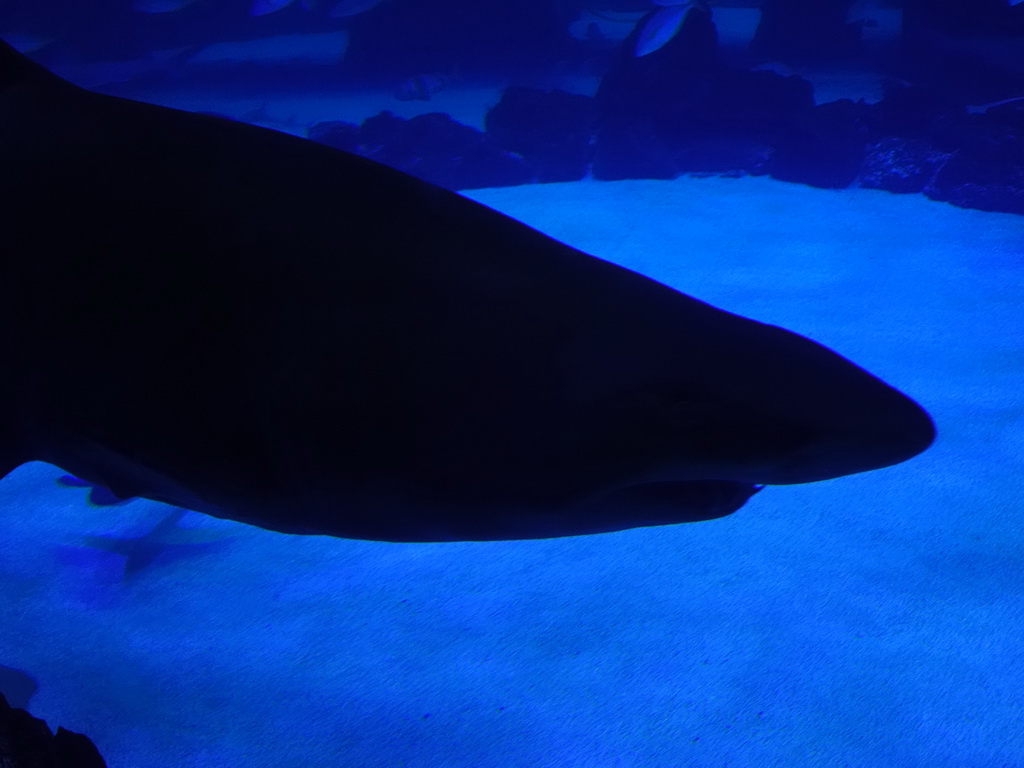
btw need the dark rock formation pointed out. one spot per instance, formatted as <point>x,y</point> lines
<point>913,112</point>
<point>978,182</point>
<point>924,141</point>
<point>631,148</point>
<point>432,147</point>
<point>27,742</point>
<point>824,146</point>
<point>901,165</point>
<point>550,130</point>
<point>337,134</point>
<point>643,102</point>
<point>986,167</point>
<point>435,148</point>
<point>679,110</point>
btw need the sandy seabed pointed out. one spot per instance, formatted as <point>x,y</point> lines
<point>873,620</point>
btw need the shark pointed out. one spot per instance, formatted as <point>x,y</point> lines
<point>260,328</point>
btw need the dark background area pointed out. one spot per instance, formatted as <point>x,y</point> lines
<point>411,36</point>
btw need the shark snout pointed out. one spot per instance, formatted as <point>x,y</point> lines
<point>856,437</point>
<point>874,441</point>
<point>826,437</point>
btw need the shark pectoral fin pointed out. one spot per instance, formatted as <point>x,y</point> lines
<point>685,501</point>
<point>662,503</point>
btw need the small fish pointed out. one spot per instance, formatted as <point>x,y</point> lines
<point>981,109</point>
<point>322,48</point>
<point>160,6</point>
<point>346,8</point>
<point>263,7</point>
<point>660,27</point>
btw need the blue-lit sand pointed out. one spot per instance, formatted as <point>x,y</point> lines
<point>869,621</point>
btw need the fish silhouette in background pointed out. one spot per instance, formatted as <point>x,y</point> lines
<point>268,330</point>
<point>337,10</point>
<point>320,49</point>
<point>661,25</point>
<point>160,6</point>
<point>263,7</point>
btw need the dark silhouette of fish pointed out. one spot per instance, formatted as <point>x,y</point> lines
<point>262,328</point>
<point>160,6</point>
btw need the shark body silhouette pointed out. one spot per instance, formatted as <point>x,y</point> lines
<point>247,324</point>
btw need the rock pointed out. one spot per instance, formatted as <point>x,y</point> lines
<point>723,156</point>
<point>989,177</point>
<point>631,149</point>
<point>335,133</point>
<point>678,110</point>
<point>913,111</point>
<point>985,169</point>
<point>551,130</point>
<point>642,101</point>
<point>758,104</point>
<point>26,742</point>
<point>435,148</point>
<point>432,147</point>
<point>824,146</point>
<point>926,143</point>
<point>901,165</point>
<point>967,183</point>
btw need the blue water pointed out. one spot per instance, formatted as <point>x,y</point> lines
<point>864,622</point>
